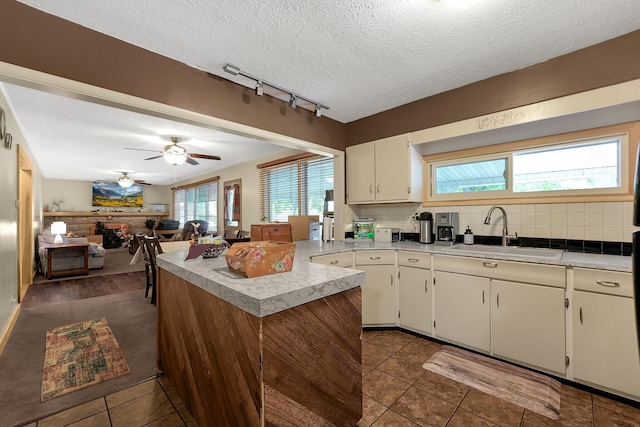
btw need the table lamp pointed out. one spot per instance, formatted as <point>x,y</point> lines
<point>58,228</point>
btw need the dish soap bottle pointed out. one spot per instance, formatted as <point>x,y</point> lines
<point>468,236</point>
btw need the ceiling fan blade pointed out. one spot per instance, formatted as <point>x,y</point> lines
<point>191,161</point>
<point>141,149</point>
<point>204,156</point>
<point>154,157</point>
<point>141,182</point>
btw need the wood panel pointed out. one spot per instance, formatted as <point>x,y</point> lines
<point>209,350</point>
<point>312,362</point>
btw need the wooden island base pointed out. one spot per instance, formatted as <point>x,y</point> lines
<point>211,352</point>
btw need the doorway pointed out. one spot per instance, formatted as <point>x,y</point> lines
<point>25,224</point>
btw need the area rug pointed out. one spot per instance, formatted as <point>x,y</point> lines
<point>79,355</point>
<point>525,388</point>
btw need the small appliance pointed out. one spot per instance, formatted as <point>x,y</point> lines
<point>363,228</point>
<point>426,227</point>
<point>386,235</point>
<point>446,228</point>
<point>327,217</point>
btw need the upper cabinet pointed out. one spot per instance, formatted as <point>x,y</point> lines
<point>384,171</point>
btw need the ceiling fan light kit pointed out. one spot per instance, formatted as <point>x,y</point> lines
<point>176,154</point>
<point>260,84</point>
<point>124,181</point>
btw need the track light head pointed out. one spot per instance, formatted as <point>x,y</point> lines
<point>231,69</point>
<point>318,111</point>
<point>293,102</point>
<point>259,89</point>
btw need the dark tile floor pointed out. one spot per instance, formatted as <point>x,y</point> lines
<point>397,392</point>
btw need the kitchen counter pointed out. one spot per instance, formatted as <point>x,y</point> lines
<point>572,259</point>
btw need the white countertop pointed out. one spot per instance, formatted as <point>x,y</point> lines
<point>307,281</point>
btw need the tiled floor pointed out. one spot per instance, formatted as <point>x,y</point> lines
<point>397,392</point>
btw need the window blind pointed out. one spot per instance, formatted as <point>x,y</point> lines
<point>197,203</point>
<point>296,187</point>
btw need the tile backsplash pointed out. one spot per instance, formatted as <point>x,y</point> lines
<point>599,221</point>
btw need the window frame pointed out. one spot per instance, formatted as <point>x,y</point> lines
<point>625,133</point>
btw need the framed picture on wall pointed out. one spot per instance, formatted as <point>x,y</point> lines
<point>112,195</point>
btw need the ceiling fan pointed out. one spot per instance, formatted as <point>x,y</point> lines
<point>125,180</point>
<point>177,154</point>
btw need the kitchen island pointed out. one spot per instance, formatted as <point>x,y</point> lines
<point>281,349</point>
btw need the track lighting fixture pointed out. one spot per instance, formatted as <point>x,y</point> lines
<point>293,98</point>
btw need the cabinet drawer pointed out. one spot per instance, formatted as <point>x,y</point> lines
<point>603,281</point>
<point>375,257</point>
<point>342,259</point>
<point>277,232</point>
<point>414,259</point>
<point>524,272</point>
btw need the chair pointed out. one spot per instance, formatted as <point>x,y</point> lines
<point>188,229</point>
<point>149,247</point>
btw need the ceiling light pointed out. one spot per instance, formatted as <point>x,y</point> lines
<point>174,154</point>
<point>125,181</point>
<point>318,111</point>
<point>259,89</point>
<point>293,102</point>
<point>231,69</point>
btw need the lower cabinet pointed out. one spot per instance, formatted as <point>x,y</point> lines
<point>462,313</point>
<point>379,306</point>
<point>605,345</point>
<point>340,259</point>
<point>528,324</point>
<point>415,290</point>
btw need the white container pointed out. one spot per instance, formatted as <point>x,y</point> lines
<point>382,235</point>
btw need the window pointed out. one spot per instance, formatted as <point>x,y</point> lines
<point>197,202</point>
<point>295,187</point>
<point>592,166</point>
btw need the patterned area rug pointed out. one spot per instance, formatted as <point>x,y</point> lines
<point>523,387</point>
<point>80,355</point>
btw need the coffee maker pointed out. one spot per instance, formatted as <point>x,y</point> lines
<point>446,228</point>
<point>327,217</point>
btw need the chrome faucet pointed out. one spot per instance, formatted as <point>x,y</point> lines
<point>505,233</point>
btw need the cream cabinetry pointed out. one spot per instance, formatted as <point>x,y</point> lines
<point>414,291</point>
<point>387,170</point>
<point>462,309</point>
<point>379,305</point>
<point>605,346</point>
<point>528,324</point>
<point>513,310</point>
<point>341,259</point>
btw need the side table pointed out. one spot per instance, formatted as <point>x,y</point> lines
<point>84,247</point>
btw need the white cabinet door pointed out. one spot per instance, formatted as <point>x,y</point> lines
<point>415,291</point>
<point>392,169</point>
<point>379,295</point>
<point>528,324</point>
<point>463,310</point>
<point>361,181</point>
<point>605,346</point>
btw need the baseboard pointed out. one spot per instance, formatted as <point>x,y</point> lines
<point>7,331</point>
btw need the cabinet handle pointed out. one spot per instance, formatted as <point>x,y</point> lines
<point>392,280</point>
<point>482,297</point>
<point>581,315</point>
<point>490,264</point>
<point>498,300</point>
<point>378,188</point>
<point>335,261</point>
<point>608,284</point>
<point>370,188</point>
<point>425,285</point>
<point>375,258</point>
<point>413,260</point>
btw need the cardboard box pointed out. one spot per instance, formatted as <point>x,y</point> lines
<point>300,225</point>
<point>254,259</point>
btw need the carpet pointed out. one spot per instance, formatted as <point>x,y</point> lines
<point>531,390</point>
<point>79,355</point>
<point>131,318</point>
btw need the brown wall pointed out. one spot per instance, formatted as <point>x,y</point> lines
<point>46,43</point>
<point>611,62</point>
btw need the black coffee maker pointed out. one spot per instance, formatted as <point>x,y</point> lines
<point>426,227</point>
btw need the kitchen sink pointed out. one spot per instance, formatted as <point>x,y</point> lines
<point>508,250</point>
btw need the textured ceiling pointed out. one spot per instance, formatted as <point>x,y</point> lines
<point>359,57</point>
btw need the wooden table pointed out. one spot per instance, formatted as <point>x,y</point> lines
<point>84,247</point>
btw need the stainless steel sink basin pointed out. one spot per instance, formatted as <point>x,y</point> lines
<point>509,250</point>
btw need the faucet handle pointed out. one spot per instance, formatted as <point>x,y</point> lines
<point>511,236</point>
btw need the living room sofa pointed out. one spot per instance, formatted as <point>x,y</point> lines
<point>71,258</point>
